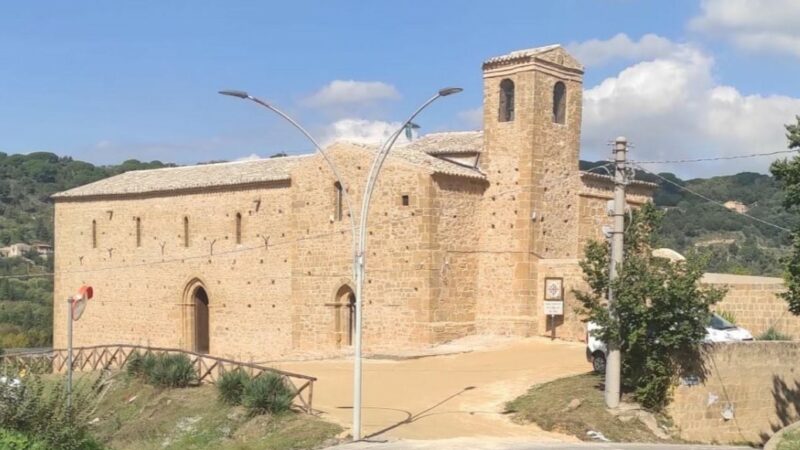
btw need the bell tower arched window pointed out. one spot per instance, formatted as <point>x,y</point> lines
<point>506,113</point>
<point>559,103</point>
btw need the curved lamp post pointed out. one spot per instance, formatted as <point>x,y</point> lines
<point>360,240</point>
<point>377,163</point>
<point>245,96</point>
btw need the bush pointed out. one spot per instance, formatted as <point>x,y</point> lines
<point>773,335</point>
<point>268,393</point>
<point>727,315</point>
<point>13,440</point>
<point>231,386</point>
<point>39,411</point>
<point>162,370</point>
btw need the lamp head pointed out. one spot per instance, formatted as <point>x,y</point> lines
<point>233,93</point>
<point>449,91</point>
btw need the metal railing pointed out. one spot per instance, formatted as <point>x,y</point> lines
<point>209,368</point>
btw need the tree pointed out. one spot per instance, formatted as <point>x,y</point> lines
<point>661,309</point>
<point>787,172</point>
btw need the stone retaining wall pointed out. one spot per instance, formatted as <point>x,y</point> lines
<point>757,383</point>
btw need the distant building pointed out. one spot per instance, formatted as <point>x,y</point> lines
<point>734,205</point>
<point>253,259</point>
<point>21,249</point>
<point>42,249</point>
<point>15,250</point>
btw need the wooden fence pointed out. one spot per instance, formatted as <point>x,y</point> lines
<point>209,368</point>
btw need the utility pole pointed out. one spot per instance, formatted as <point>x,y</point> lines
<point>614,359</point>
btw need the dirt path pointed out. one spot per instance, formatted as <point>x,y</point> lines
<point>444,396</point>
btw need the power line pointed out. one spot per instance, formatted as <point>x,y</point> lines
<point>718,158</point>
<point>714,201</point>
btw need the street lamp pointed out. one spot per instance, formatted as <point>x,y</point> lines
<point>245,96</point>
<point>360,241</point>
<point>377,163</point>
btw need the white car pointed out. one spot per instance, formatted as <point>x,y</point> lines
<point>718,330</point>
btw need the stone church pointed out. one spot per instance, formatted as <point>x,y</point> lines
<point>253,259</point>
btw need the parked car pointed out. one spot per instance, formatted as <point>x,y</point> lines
<point>717,330</point>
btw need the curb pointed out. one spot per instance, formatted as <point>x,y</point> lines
<point>772,443</point>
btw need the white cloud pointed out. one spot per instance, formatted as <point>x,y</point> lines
<point>362,131</point>
<point>671,108</point>
<point>471,118</point>
<point>339,93</point>
<point>770,25</point>
<point>595,52</point>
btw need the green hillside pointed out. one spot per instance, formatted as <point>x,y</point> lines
<point>734,243</point>
<point>26,215</point>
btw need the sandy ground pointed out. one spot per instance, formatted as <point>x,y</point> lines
<point>444,396</point>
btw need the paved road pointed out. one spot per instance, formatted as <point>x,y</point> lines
<point>516,444</point>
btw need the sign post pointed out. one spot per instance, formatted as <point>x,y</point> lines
<point>75,307</point>
<point>553,301</point>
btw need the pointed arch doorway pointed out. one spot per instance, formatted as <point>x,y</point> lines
<point>196,318</point>
<point>344,316</point>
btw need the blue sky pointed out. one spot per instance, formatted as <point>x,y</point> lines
<point>105,82</point>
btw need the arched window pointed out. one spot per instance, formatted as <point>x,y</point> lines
<point>506,101</point>
<point>238,228</point>
<point>338,200</point>
<point>94,234</point>
<point>559,103</point>
<point>185,231</point>
<point>138,232</point>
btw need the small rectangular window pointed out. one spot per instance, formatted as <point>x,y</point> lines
<point>238,228</point>
<point>405,200</point>
<point>138,232</point>
<point>185,231</point>
<point>94,234</point>
<point>337,212</point>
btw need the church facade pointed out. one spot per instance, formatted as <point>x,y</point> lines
<point>253,260</point>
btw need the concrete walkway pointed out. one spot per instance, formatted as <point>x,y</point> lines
<point>446,396</point>
<point>517,444</point>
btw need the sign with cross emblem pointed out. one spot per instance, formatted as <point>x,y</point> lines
<point>553,301</point>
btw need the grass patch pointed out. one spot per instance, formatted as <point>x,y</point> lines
<point>790,441</point>
<point>773,335</point>
<point>547,405</point>
<point>136,415</point>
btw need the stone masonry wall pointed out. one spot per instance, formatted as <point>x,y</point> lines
<point>454,268</point>
<point>757,381</point>
<point>755,303</point>
<point>268,302</point>
<point>140,292</point>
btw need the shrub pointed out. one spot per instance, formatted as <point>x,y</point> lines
<point>231,386</point>
<point>268,393</point>
<point>773,335</point>
<point>162,370</point>
<point>727,315</point>
<point>39,411</point>
<point>13,440</point>
<point>172,371</point>
<point>134,366</point>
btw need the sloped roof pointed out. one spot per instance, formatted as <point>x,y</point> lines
<point>255,171</point>
<point>449,143</point>
<point>433,164</point>
<point>188,177</point>
<point>521,54</point>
